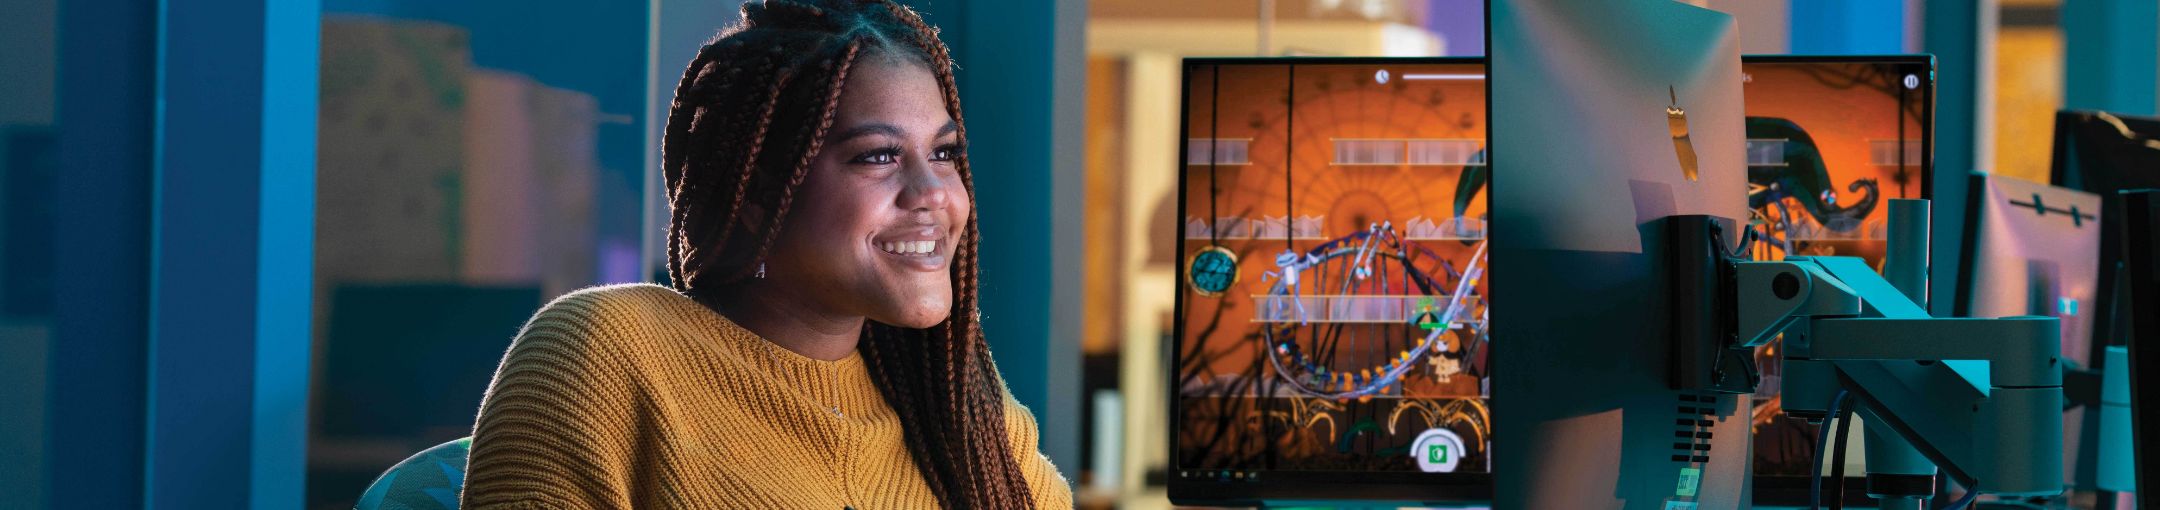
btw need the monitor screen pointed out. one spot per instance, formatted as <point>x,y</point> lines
<point>1829,141</point>
<point>1330,316</point>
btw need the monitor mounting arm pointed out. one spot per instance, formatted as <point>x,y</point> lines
<point>1981,398</point>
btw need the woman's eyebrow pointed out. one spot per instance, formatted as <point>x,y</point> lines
<point>880,128</point>
<point>874,128</point>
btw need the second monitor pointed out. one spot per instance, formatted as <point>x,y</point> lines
<point>1830,141</point>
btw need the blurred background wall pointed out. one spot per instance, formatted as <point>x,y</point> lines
<point>329,289</point>
<point>480,158</point>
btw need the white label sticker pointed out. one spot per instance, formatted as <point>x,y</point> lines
<point>1690,480</point>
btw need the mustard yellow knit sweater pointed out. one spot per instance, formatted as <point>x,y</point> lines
<point>636,396</point>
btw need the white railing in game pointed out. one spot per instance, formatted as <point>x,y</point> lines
<point>1306,228</point>
<point>1451,229</point>
<point>1227,151</point>
<point>1766,151</point>
<point>1267,227</point>
<point>1348,308</point>
<point>1807,229</point>
<point>1445,151</point>
<point>1885,152</point>
<point>1407,151</point>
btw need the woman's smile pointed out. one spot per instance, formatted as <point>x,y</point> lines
<point>922,248</point>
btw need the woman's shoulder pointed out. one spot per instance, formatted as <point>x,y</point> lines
<point>611,317</point>
<point>618,299</point>
<point>608,304</point>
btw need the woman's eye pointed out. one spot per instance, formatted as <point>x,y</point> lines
<point>879,157</point>
<point>891,156</point>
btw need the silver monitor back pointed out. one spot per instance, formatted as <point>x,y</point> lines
<point>2034,249</point>
<point>1599,108</point>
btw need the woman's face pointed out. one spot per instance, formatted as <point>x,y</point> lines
<point>874,223</point>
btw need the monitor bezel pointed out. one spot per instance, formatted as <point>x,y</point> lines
<point>2140,227</point>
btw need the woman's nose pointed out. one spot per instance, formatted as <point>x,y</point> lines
<point>926,189</point>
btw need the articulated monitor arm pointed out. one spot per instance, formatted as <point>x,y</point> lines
<point>1981,398</point>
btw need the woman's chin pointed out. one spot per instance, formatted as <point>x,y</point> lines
<point>919,321</point>
<point>921,324</point>
<point>921,314</point>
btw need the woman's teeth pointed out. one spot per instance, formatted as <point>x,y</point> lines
<point>909,247</point>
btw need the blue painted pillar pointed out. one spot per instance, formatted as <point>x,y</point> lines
<point>285,253</point>
<point>1847,27</point>
<point>231,254</point>
<point>1959,33</point>
<point>2111,55</point>
<point>101,209</point>
<point>1021,68</point>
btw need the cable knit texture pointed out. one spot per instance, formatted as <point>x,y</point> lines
<point>636,396</point>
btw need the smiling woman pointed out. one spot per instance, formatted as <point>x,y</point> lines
<point>884,202</point>
<point>819,346</point>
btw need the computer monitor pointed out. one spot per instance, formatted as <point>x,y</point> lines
<point>2105,153</point>
<point>2140,228</point>
<point>2034,249</point>
<point>1830,140</point>
<point>1609,118</point>
<point>1329,334</point>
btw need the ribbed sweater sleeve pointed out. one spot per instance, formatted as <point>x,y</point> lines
<point>1050,488</point>
<point>556,424</point>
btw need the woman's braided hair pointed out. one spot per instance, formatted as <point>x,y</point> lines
<point>748,118</point>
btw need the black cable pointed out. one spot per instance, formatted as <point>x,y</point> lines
<point>1837,460</point>
<point>1739,251</point>
<point>1822,440</point>
<point>1747,242</point>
